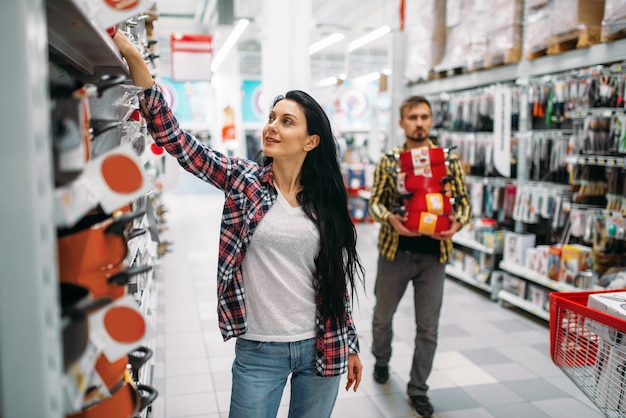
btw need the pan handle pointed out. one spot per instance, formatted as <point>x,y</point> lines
<point>85,307</point>
<point>136,233</point>
<point>119,224</point>
<point>124,276</point>
<point>138,358</point>
<point>100,127</point>
<point>107,81</point>
<point>147,395</point>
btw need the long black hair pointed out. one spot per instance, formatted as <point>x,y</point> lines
<point>325,201</point>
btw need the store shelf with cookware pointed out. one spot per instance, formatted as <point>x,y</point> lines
<point>542,135</point>
<point>108,176</point>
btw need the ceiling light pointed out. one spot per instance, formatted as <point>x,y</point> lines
<point>327,82</point>
<point>375,34</point>
<point>326,42</point>
<point>366,78</point>
<point>241,25</point>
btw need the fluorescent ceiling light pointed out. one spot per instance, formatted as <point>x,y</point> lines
<point>375,34</point>
<point>241,25</point>
<point>327,82</point>
<point>367,78</point>
<point>326,42</point>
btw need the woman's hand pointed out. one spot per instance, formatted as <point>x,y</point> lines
<point>139,71</point>
<point>355,371</point>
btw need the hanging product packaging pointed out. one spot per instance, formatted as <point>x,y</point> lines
<point>119,328</point>
<point>427,223</point>
<point>107,13</point>
<point>435,203</point>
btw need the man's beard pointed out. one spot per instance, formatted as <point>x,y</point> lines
<point>418,138</point>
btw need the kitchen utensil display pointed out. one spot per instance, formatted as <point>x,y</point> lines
<point>115,104</point>
<point>112,282</point>
<point>71,114</point>
<point>119,328</point>
<point>124,403</point>
<point>137,359</point>
<point>97,248</point>
<point>76,306</point>
<point>117,177</point>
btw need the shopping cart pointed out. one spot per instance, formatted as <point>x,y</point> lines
<point>589,346</point>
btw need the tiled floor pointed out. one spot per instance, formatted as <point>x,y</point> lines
<point>491,361</point>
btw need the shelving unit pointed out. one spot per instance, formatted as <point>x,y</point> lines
<point>30,345</point>
<point>37,32</point>
<point>456,272</point>
<point>519,74</point>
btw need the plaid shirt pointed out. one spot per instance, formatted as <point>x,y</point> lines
<point>250,192</point>
<point>385,194</point>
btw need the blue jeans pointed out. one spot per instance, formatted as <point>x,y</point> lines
<point>260,372</point>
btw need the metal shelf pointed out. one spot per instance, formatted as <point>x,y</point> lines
<point>601,160</point>
<point>535,277</point>
<point>524,304</point>
<point>463,276</point>
<point>598,54</point>
<point>468,242</point>
<point>76,40</point>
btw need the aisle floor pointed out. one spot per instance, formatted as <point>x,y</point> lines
<point>491,361</point>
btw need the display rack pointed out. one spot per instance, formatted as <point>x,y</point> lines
<point>520,74</point>
<point>30,346</point>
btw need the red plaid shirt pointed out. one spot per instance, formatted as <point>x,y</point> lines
<point>249,191</point>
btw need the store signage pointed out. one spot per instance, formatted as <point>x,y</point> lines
<point>191,56</point>
<point>502,130</point>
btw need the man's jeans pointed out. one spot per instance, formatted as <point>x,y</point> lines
<point>260,372</point>
<point>427,275</point>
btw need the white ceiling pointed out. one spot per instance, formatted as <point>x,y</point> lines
<point>354,18</point>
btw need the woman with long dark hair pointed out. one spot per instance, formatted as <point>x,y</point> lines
<point>287,265</point>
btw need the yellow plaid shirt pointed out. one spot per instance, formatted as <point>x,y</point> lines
<point>385,194</point>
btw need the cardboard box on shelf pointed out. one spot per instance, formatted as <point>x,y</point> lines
<point>514,285</point>
<point>574,259</point>
<point>538,295</point>
<point>515,245</point>
<point>542,259</point>
<point>554,262</point>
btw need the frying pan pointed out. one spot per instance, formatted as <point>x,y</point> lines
<point>138,358</point>
<point>96,248</point>
<point>421,157</point>
<point>76,304</point>
<point>128,401</point>
<point>435,203</point>
<point>111,282</point>
<point>111,373</point>
<point>426,223</point>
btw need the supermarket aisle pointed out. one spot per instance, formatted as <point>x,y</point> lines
<point>491,362</point>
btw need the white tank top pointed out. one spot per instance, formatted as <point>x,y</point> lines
<point>278,276</point>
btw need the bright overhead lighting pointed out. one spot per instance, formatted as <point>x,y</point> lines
<point>327,82</point>
<point>326,42</point>
<point>241,25</point>
<point>372,36</point>
<point>366,78</point>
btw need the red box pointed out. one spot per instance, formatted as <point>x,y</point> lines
<point>418,158</point>
<point>435,203</point>
<point>426,223</point>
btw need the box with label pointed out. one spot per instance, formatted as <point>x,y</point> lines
<point>554,262</point>
<point>574,259</point>
<point>538,295</point>
<point>541,266</point>
<point>515,246</point>
<point>610,303</point>
<point>530,259</point>
<point>514,285</point>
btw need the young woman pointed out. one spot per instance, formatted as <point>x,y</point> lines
<point>287,257</point>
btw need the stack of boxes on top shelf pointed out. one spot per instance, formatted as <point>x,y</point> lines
<point>421,183</point>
